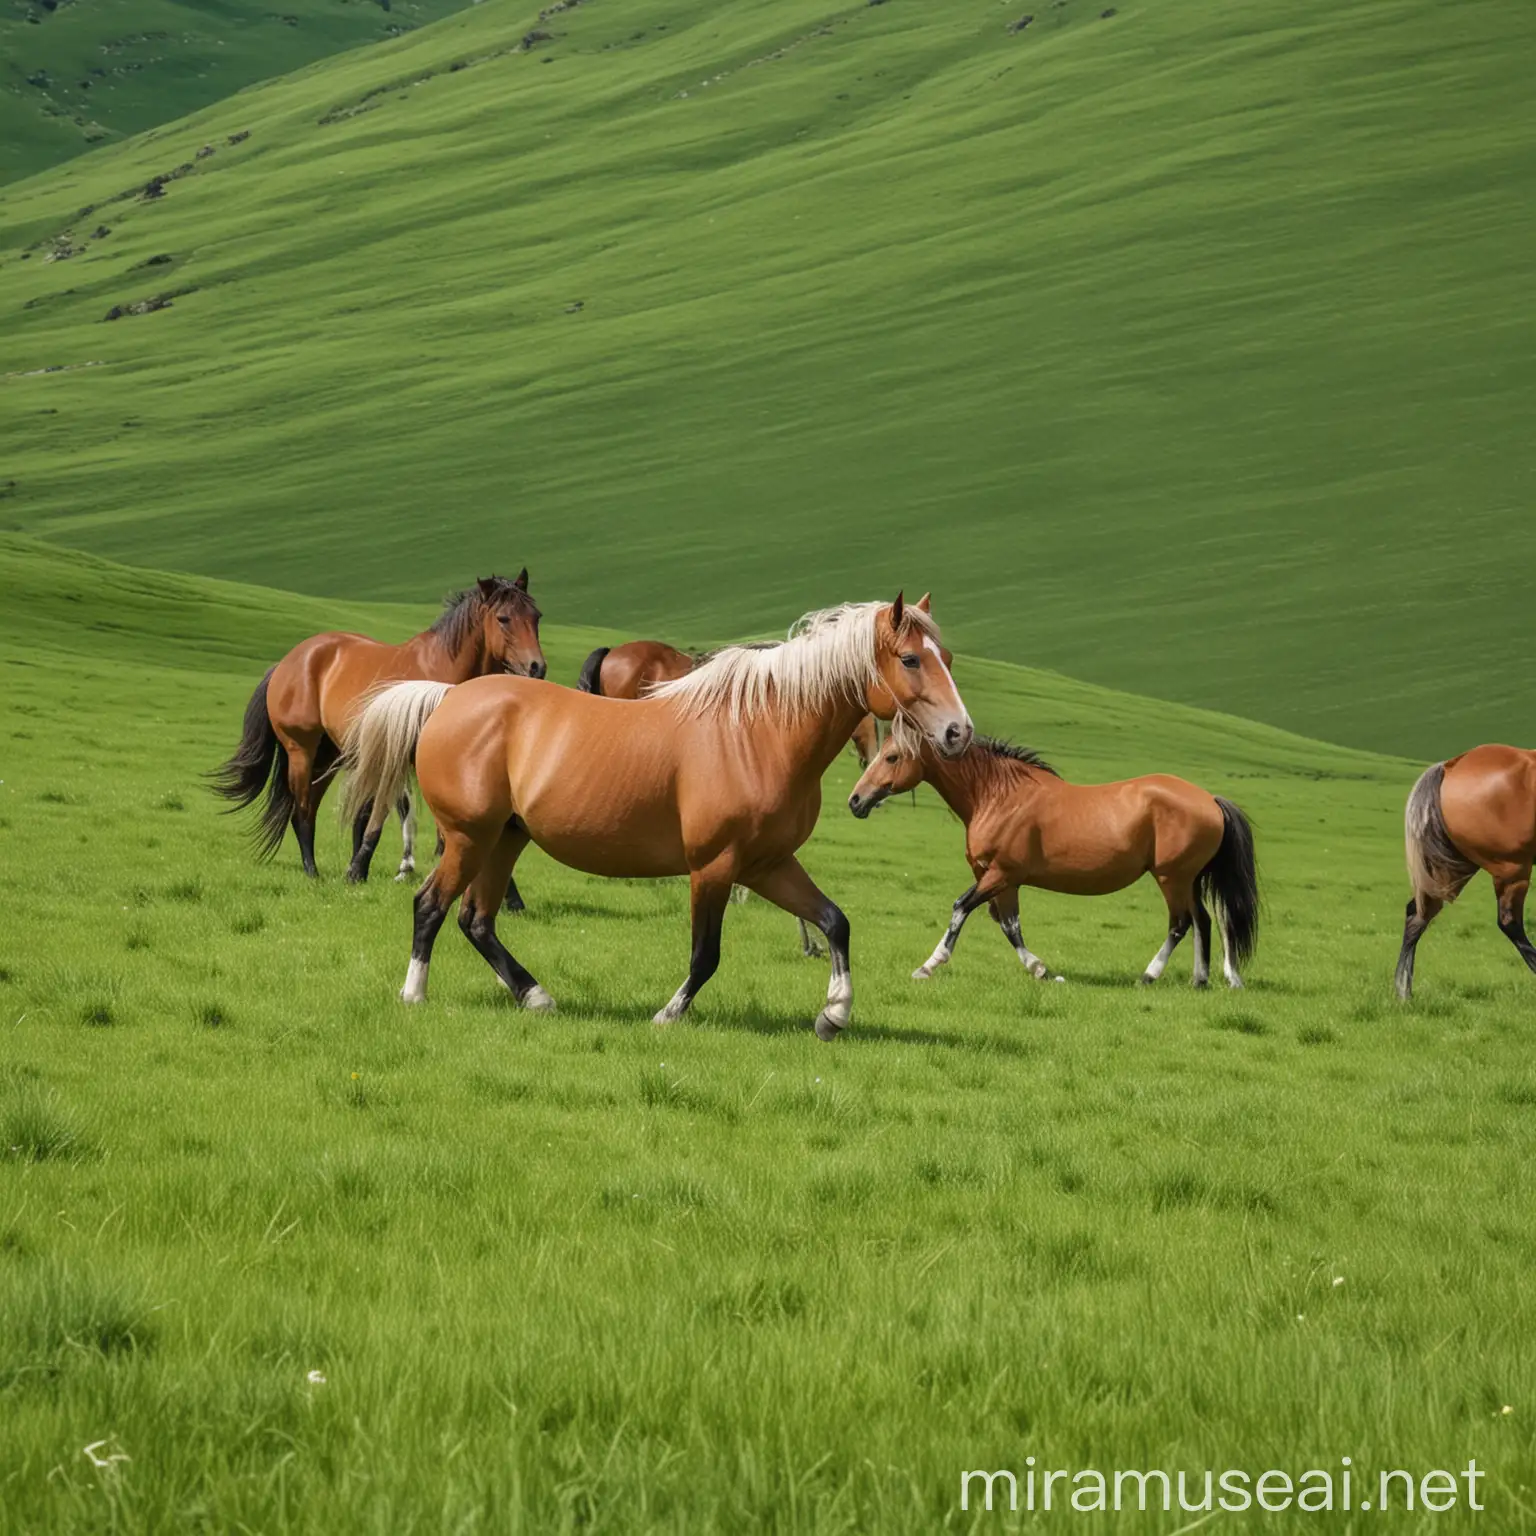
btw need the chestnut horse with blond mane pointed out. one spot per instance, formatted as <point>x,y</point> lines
<point>1024,825</point>
<point>301,711</point>
<point>716,775</point>
<point>1477,811</point>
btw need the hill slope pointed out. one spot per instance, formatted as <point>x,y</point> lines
<point>74,73</point>
<point>1186,349</point>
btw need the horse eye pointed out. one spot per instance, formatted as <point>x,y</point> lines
<point>911,662</point>
<point>891,758</point>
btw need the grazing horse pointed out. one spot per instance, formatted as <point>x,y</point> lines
<point>716,776</point>
<point>1477,811</point>
<point>1025,826</point>
<point>299,715</point>
<point>632,670</point>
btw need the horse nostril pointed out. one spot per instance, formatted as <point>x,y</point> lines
<point>537,669</point>
<point>952,736</point>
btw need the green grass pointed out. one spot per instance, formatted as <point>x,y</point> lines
<point>578,1271</point>
<point>77,73</point>
<point>1182,350</point>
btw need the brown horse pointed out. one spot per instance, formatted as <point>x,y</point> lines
<point>1477,811</point>
<point>631,670</point>
<point>301,710</point>
<point>716,776</point>
<point>1025,826</point>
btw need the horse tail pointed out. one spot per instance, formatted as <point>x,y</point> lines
<point>381,745</point>
<point>258,763</point>
<point>591,679</point>
<point>1231,880</point>
<point>1437,867</point>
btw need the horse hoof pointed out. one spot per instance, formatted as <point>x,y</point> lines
<point>357,877</point>
<point>826,1029</point>
<point>922,973</point>
<point>1199,985</point>
<point>412,998</point>
<point>1236,983</point>
<point>537,1000</point>
<point>1145,981</point>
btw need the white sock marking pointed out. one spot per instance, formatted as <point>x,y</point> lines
<point>415,988</point>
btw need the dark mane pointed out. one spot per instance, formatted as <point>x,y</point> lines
<point>462,610</point>
<point>1015,753</point>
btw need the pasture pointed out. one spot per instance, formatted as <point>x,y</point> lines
<point>1203,322</point>
<point>583,1272</point>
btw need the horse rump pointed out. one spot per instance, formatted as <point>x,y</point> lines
<point>258,763</point>
<point>1437,867</point>
<point>1231,883</point>
<point>591,679</point>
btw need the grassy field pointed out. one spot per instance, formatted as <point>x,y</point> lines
<point>581,1272</point>
<point>1187,349</point>
<point>76,73</point>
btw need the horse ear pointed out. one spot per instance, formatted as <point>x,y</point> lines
<point>488,586</point>
<point>898,611</point>
<point>520,581</point>
<point>922,602</point>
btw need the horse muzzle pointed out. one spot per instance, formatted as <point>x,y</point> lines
<point>862,805</point>
<point>955,740</point>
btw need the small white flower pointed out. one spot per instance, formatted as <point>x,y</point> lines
<point>1301,1317</point>
<point>1338,1279</point>
<point>109,1461</point>
<point>1506,1409</point>
<point>316,1378</point>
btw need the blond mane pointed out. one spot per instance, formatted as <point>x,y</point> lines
<point>829,656</point>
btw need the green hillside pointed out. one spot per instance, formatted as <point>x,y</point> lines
<point>1187,348</point>
<point>75,73</point>
<point>286,1256</point>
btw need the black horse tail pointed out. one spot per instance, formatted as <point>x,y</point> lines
<point>1437,867</point>
<point>259,763</point>
<point>1231,882</point>
<point>591,679</point>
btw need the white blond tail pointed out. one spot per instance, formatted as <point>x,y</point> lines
<point>381,746</point>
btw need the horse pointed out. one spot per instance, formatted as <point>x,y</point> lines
<point>299,715</point>
<point>716,775</point>
<point>1476,811</point>
<point>1024,825</point>
<point>632,670</point>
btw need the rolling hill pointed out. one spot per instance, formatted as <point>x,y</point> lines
<point>74,73</point>
<point>1180,347</point>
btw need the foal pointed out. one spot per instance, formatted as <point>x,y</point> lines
<point>716,776</point>
<point>1025,826</point>
<point>1477,811</point>
<point>300,713</point>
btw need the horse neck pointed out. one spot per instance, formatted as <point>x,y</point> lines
<point>431,659</point>
<point>961,782</point>
<point>811,742</point>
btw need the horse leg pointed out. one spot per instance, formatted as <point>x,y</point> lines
<point>1511,894</point>
<point>1413,931</point>
<point>407,810</point>
<point>365,838</point>
<point>1005,908</point>
<point>711,891</point>
<point>512,899</point>
<point>988,886</point>
<point>1180,901</point>
<point>788,886</point>
<point>810,945</point>
<point>477,919</point>
<point>1202,976</point>
<point>461,862</point>
<point>309,772</point>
